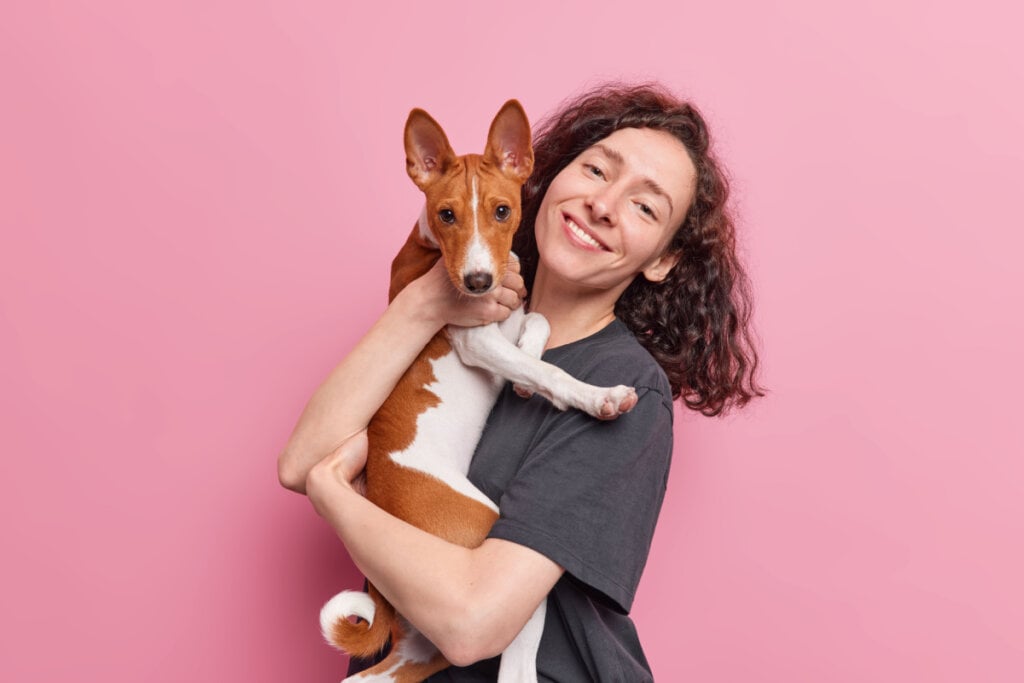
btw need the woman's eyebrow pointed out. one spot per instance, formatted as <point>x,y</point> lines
<point>610,153</point>
<point>616,158</point>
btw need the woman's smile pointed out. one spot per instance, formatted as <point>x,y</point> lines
<point>611,212</point>
<point>581,235</point>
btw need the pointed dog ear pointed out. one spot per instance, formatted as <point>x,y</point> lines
<point>509,145</point>
<point>427,151</point>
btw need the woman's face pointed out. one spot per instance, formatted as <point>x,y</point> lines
<point>611,212</point>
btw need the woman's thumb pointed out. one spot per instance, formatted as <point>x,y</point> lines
<point>351,455</point>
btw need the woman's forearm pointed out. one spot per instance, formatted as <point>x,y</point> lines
<point>469,602</point>
<point>416,571</point>
<point>358,385</point>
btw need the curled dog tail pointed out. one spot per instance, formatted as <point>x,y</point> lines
<point>362,639</point>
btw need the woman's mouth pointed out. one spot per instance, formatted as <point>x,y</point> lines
<point>582,236</point>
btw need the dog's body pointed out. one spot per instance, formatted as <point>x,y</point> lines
<point>424,435</point>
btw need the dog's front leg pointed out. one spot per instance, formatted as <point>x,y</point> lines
<point>487,348</point>
<point>530,332</point>
<point>519,660</point>
<point>532,335</point>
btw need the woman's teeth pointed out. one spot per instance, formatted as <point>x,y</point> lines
<point>583,237</point>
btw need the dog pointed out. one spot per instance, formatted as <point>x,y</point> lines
<point>423,437</point>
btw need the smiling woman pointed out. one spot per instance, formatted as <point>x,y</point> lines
<point>628,251</point>
<point>605,216</point>
<point>696,319</point>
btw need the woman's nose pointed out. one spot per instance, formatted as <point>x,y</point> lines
<point>602,204</point>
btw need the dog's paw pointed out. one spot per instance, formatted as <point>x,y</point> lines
<point>522,391</point>
<point>615,401</point>
<point>559,399</point>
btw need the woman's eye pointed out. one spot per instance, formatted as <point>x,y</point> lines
<point>646,209</point>
<point>446,216</point>
<point>594,170</point>
<point>502,213</point>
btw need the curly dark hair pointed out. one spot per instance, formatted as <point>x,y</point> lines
<point>696,322</point>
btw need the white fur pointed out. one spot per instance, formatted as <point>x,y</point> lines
<point>534,334</point>
<point>478,257</point>
<point>447,434</point>
<point>486,347</point>
<point>342,606</point>
<point>425,232</point>
<point>474,203</point>
<point>414,647</point>
<point>519,660</point>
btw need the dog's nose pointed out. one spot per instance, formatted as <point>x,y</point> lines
<point>478,282</point>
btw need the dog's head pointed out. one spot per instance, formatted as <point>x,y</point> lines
<point>473,201</point>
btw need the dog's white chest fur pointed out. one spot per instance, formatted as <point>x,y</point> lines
<point>447,434</point>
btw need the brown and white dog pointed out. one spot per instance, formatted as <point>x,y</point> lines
<point>423,437</point>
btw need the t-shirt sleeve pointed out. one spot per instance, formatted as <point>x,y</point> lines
<point>588,496</point>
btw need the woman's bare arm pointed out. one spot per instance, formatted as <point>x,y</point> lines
<point>470,603</point>
<point>356,388</point>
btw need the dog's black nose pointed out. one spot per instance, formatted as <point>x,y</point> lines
<point>478,283</point>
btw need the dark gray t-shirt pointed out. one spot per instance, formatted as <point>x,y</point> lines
<point>586,494</point>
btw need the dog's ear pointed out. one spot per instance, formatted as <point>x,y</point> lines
<point>508,143</point>
<point>427,151</point>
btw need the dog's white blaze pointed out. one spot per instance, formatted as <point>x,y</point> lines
<point>474,204</point>
<point>478,256</point>
<point>425,232</point>
<point>467,395</point>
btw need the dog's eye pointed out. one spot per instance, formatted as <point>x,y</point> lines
<point>446,216</point>
<point>502,213</point>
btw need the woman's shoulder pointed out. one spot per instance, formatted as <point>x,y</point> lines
<point>612,356</point>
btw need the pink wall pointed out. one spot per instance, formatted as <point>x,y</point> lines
<point>199,202</point>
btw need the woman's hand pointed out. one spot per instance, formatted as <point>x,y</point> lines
<point>340,472</point>
<point>445,305</point>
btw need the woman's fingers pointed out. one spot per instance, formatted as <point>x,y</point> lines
<point>509,298</point>
<point>350,457</point>
<point>341,467</point>
<point>465,310</point>
<point>492,307</point>
<point>514,283</point>
<point>513,279</point>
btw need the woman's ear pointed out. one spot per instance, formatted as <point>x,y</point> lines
<point>659,269</point>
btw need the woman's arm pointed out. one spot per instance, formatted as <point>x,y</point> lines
<point>356,388</point>
<point>471,603</point>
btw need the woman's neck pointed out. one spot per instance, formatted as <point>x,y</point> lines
<point>573,312</point>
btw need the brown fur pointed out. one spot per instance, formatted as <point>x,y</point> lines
<point>412,672</point>
<point>408,494</point>
<point>494,188</point>
<point>363,639</point>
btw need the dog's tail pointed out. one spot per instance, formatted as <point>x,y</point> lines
<point>364,638</point>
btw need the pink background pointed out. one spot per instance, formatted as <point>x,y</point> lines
<point>199,202</point>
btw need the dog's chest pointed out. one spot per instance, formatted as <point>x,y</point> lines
<point>447,433</point>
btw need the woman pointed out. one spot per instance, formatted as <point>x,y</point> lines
<point>628,250</point>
